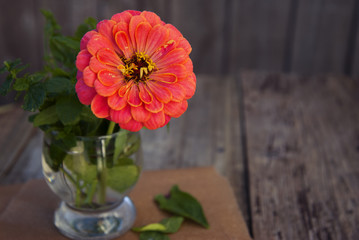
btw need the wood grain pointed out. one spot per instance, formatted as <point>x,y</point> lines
<point>321,36</point>
<point>303,36</point>
<point>303,151</point>
<point>260,35</point>
<point>16,134</point>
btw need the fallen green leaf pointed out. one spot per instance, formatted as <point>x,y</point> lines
<point>150,227</point>
<point>183,204</point>
<point>153,236</point>
<point>172,224</point>
<point>167,225</point>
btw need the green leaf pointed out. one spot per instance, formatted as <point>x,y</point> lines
<point>120,143</point>
<point>6,86</point>
<point>69,109</point>
<point>35,97</point>
<point>91,22</point>
<point>133,144</point>
<point>172,224</point>
<point>150,227</point>
<point>57,155</point>
<point>183,204</point>
<point>153,236</point>
<point>46,116</point>
<point>21,84</point>
<point>59,85</point>
<point>78,165</point>
<point>120,178</point>
<point>68,42</point>
<point>51,25</point>
<point>167,225</point>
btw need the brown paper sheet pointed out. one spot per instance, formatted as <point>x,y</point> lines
<point>26,212</point>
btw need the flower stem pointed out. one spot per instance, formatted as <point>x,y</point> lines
<point>111,127</point>
<point>78,189</point>
<point>101,165</point>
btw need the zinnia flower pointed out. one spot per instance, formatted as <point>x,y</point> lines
<point>135,70</point>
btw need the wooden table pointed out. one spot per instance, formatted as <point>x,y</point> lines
<point>289,145</point>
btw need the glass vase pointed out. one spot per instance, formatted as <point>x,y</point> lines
<point>92,176</point>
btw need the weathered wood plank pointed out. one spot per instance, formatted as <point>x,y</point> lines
<point>16,132</point>
<point>321,36</point>
<point>201,22</point>
<point>259,37</point>
<point>303,151</point>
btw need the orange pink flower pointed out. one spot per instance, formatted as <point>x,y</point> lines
<point>135,70</point>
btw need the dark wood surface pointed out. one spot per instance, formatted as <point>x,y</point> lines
<point>288,144</point>
<point>303,36</point>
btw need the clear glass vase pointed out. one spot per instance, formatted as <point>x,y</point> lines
<point>92,176</point>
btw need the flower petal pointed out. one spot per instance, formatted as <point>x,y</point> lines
<point>106,91</point>
<point>162,94</point>
<point>152,18</point>
<point>108,77</point>
<point>97,42</point>
<point>183,43</point>
<point>175,109</point>
<point>167,119</point>
<point>177,90</point>
<point>96,66</point>
<point>164,77</point>
<point>163,51</point>
<point>189,65</point>
<point>156,38</point>
<point>116,102</point>
<point>122,17</point>
<point>108,57</point>
<point>132,126</point>
<point>84,92</point>
<point>144,94</point>
<point>83,59</point>
<point>141,35</point>
<point>190,85</point>
<point>156,120</point>
<point>123,42</point>
<point>140,114</point>
<point>89,76</point>
<point>86,38</point>
<point>177,69</point>
<point>175,56</point>
<point>121,117</point>
<point>100,107</point>
<point>134,22</point>
<point>155,106</point>
<point>133,96</point>
<point>124,89</point>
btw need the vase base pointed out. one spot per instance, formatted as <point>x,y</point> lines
<point>95,225</point>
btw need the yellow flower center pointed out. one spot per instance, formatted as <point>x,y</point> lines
<point>137,68</point>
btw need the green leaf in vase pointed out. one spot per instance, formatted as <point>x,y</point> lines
<point>153,236</point>
<point>120,143</point>
<point>183,204</point>
<point>46,116</point>
<point>69,110</point>
<point>167,225</point>
<point>34,97</point>
<point>120,178</point>
<point>79,166</point>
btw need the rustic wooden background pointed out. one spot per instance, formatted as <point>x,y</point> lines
<point>301,36</point>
